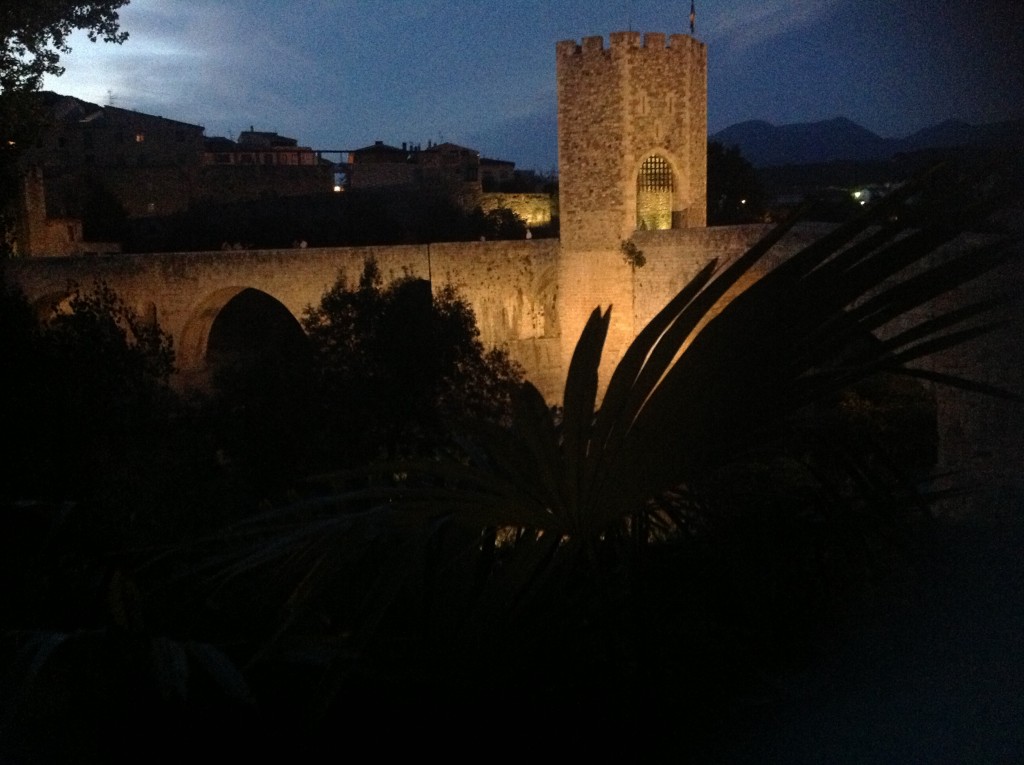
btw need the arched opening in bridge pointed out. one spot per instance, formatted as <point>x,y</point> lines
<point>258,372</point>
<point>255,343</point>
<point>654,191</point>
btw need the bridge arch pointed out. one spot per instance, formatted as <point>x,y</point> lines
<point>238,326</point>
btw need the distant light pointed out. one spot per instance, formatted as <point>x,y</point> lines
<point>337,188</point>
<point>743,201</point>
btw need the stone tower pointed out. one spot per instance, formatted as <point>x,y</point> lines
<point>632,136</point>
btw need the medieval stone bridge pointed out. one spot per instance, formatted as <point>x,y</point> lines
<point>529,296</point>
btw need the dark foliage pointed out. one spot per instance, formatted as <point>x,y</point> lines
<point>525,182</point>
<point>104,218</point>
<point>501,223</point>
<point>399,367</point>
<point>36,34</point>
<point>734,190</point>
<point>90,380</point>
<point>346,219</point>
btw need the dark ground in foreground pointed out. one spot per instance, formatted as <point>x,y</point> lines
<point>932,672</point>
<point>929,671</point>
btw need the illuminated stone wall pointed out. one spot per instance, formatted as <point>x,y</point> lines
<point>602,277</point>
<point>638,98</point>
<point>39,234</point>
<point>534,209</point>
<point>512,287</point>
<point>531,296</point>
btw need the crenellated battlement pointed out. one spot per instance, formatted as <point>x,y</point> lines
<point>628,41</point>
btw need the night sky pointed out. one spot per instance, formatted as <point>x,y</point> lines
<point>481,73</point>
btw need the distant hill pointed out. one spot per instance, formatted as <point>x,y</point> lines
<point>765,145</point>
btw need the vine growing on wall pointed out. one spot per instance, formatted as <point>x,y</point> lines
<point>632,254</point>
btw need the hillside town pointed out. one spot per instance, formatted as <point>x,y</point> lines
<point>102,179</point>
<point>98,177</point>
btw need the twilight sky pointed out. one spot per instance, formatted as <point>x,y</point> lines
<point>341,74</point>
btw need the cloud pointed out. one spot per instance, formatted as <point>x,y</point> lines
<point>740,26</point>
<point>342,73</point>
<point>151,63</point>
<point>199,62</point>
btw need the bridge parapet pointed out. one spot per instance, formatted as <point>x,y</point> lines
<point>511,286</point>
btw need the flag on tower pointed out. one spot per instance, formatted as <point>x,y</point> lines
<point>693,17</point>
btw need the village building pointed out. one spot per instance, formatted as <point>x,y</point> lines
<point>93,167</point>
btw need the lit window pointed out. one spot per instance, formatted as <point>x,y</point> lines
<point>140,137</point>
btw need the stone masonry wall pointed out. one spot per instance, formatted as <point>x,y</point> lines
<point>592,278</point>
<point>590,137</point>
<point>534,209</point>
<point>616,107</point>
<point>512,287</point>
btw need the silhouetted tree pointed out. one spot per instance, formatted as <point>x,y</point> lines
<point>91,374</point>
<point>104,218</point>
<point>734,192</point>
<point>498,224</point>
<point>400,365</point>
<point>34,36</point>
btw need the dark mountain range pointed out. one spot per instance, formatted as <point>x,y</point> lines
<point>840,139</point>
